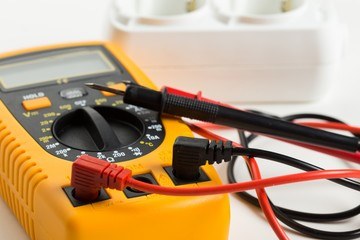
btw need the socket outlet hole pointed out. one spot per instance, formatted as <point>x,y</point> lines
<point>158,8</point>
<point>257,7</point>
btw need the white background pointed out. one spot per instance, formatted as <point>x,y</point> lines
<point>28,23</point>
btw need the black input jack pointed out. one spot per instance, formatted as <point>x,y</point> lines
<point>132,192</point>
<point>142,179</point>
<point>203,177</point>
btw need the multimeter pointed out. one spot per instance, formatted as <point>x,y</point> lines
<point>48,119</point>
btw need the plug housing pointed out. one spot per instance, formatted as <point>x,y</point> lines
<point>90,174</point>
<point>191,153</point>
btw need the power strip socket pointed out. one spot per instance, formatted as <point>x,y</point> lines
<point>234,50</point>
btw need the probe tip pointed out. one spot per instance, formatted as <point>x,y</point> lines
<point>104,88</point>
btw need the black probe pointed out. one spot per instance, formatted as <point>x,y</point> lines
<point>164,102</point>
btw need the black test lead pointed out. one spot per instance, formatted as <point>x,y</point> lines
<point>164,102</point>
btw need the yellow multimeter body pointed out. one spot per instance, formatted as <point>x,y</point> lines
<point>48,118</point>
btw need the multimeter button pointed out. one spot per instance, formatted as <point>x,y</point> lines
<point>118,86</point>
<point>72,93</point>
<point>36,103</point>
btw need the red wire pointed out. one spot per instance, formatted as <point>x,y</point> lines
<point>244,186</point>
<point>353,157</point>
<point>328,125</point>
<point>265,202</point>
<point>331,125</point>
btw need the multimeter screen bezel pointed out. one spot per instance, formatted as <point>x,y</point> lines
<point>57,52</point>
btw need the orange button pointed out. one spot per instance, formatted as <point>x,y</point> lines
<point>118,86</point>
<point>36,103</point>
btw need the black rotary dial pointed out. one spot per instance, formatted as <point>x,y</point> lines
<point>98,129</point>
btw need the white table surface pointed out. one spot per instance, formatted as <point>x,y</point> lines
<point>27,23</point>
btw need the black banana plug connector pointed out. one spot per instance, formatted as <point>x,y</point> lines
<point>189,154</point>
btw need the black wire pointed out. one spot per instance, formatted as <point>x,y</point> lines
<point>293,162</point>
<point>288,216</point>
<point>296,215</point>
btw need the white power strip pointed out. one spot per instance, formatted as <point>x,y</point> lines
<point>234,50</point>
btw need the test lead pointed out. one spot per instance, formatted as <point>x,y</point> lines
<point>193,108</point>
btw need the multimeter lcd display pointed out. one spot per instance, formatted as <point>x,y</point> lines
<point>61,66</point>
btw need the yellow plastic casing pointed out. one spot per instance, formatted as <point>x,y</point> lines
<point>32,181</point>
